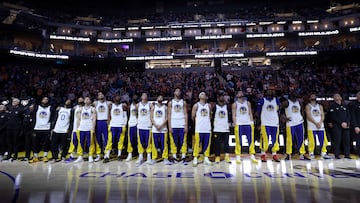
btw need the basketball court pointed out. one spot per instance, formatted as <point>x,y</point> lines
<point>285,181</point>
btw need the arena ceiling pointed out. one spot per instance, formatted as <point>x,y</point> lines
<point>110,6</point>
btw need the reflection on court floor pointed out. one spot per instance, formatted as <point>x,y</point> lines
<point>290,181</point>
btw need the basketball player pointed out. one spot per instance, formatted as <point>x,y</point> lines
<point>118,120</point>
<point>13,128</point>
<point>201,115</point>
<point>102,113</point>
<point>61,130</point>
<point>132,128</point>
<point>315,125</point>
<point>75,137</point>
<point>144,129</point>
<point>178,124</point>
<point>86,121</point>
<point>221,129</point>
<point>159,130</point>
<point>294,126</point>
<point>242,117</point>
<point>44,116</point>
<point>268,109</point>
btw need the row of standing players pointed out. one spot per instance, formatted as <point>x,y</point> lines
<point>99,128</point>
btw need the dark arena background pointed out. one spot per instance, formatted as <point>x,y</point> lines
<point>66,49</point>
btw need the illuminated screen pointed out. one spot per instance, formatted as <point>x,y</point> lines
<point>125,46</point>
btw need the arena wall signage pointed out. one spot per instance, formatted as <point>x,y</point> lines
<point>218,55</point>
<point>141,58</point>
<point>160,39</point>
<point>322,33</point>
<point>115,40</point>
<point>38,55</point>
<point>292,53</point>
<point>265,35</point>
<point>354,29</point>
<point>214,37</point>
<point>69,38</point>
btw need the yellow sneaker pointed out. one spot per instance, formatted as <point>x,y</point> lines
<point>201,158</point>
<point>217,159</point>
<point>34,160</point>
<point>45,159</point>
<point>227,158</point>
<point>253,159</point>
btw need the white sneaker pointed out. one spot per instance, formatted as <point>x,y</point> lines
<point>150,161</point>
<point>79,159</point>
<point>129,157</point>
<point>195,162</point>
<point>207,161</point>
<point>1,158</point>
<point>312,156</point>
<point>167,162</point>
<point>183,156</point>
<point>238,159</point>
<point>325,157</point>
<point>91,159</point>
<point>107,155</point>
<point>140,159</point>
<point>98,157</point>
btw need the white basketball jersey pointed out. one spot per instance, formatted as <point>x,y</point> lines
<point>269,115</point>
<point>77,109</point>
<point>293,114</point>
<point>102,110</point>
<point>144,121</point>
<point>63,120</point>
<point>42,118</point>
<point>85,119</point>
<point>221,120</point>
<point>242,114</point>
<point>177,114</point>
<point>133,116</point>
<point>159,118</point>
<point>202,120</point>
<point>118,116</point>
<point>315,113</point>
